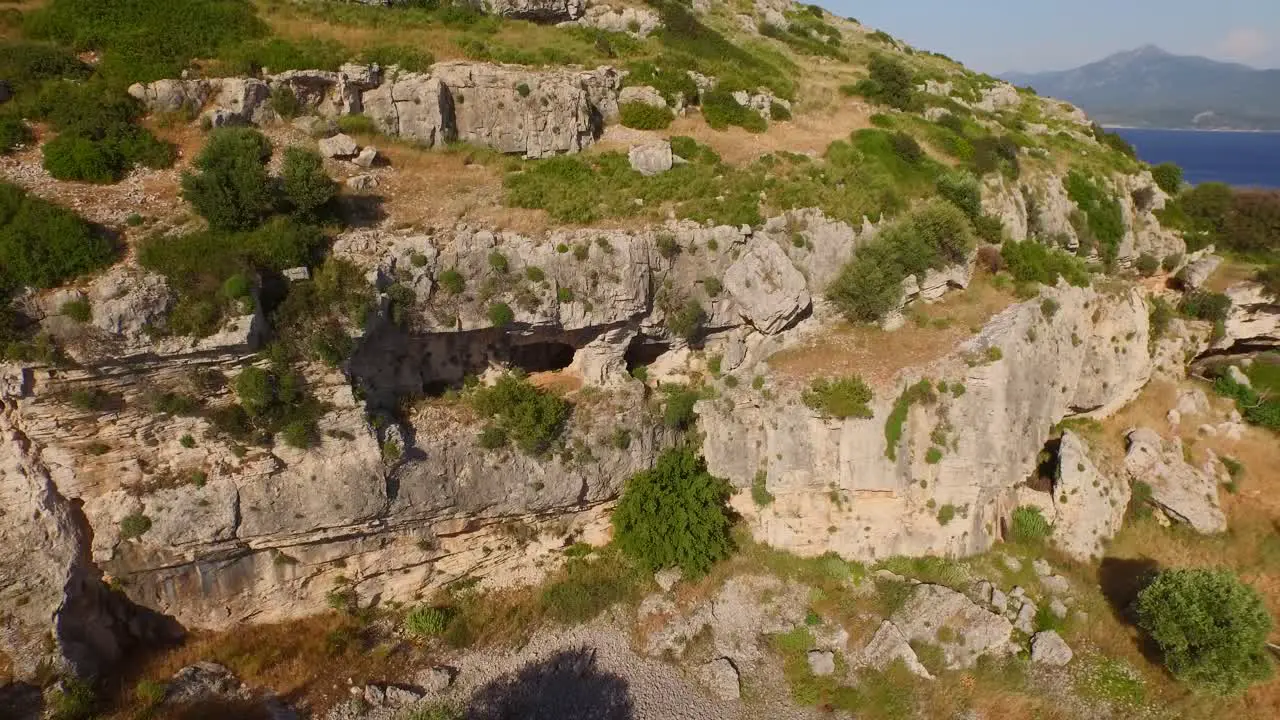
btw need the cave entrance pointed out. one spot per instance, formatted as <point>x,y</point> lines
<point>542,356</point>
<point>643,352</point>
<point>1046,472</point>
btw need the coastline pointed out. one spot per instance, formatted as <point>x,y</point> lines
<point>1201,130</point>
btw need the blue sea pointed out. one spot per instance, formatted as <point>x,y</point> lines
<point>1244,159</point>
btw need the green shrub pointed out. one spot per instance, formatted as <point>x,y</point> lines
<point>721,110</point>
<point>1205,305</point>
<point>492,437</point>
<point>870,285</point>
<point>890,83</point>
<point>1102,211</point>
<point>405,57</point>
<point>933,456</point>
<point>13,132</point>
<point>564,294</point>
<point>306,185</point>
<point>1029,261</point>
<point>963,190</point>
<point>712,286</point>
<point>1171,262</point>
<point>588,587</point>
<point>134,525</point>
<point>678,411</point>
<point>1160,315</point>
<point>779,112</point>
<point>1211,627</point>
<point>1027,525</point>
<point>43,245</point>
<point>843,398</point>
<point>675,515</point>
<point>498,262</point>
<point>501,315</point>
<point>425,621</point>
<point>921,392</point>
<point>144,40</point>
<point>452,282</point>
<point>70,157</point>
<point>1147,264</point>
<point>25,66</point>
<point>357,124</point>
<point>643,116</point>
<point>760,494</point>
<point>74,700</point>
<point>285,103</point>
<point>906,147</point>
<point>232,189</point>
<point>946,513</point>
<point>1168,177</point>
<point>534,418</point>
<point>79,310</point>
<point>687,320</point>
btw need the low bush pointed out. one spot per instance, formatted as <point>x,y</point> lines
<point>134,525</point>
<point>1160,314</point>
<point>1028,525</point>
<point>1205,305</point>
<point>1211,627</point>
<point>675,515</point>
<point>1102,210</point>
<point>273,401</point>
<point>232,189</point>
<point>587,587</point>
<point>1029,261</point>
<point>306,184</point>
<point>534,418</point>
<point>501,315</point>
<point>678,412</point>
<point>425,621</point>
<point>963,190</point>
<point>1168,177</point>
<point>721,110</point>
<point>843,398</point>
<point>871,284</point>
<point>643,116</point>
<point>890,83</point>
<point>13,132</point>
<point>1147,264</point>
<point>452,282</point>
<point>43,245</point>
<point>760,494</point>
<point>686,320</point>
<point>921,392</point>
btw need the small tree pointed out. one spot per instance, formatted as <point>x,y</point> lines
<point>1211,627</point>
<point>675,515</point>
<point>1168,177</point>
<point>306,184</point>
<point>232,190</point>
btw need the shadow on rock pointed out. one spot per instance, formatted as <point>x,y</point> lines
<point>21,702</point>
<point>566,686</point>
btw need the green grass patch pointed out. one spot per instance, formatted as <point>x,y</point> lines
<point>921,392</point>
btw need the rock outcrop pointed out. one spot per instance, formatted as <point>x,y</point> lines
<point>839,488</point>
<point>512,109</point>
<point>1183,493</point>
<point>1088,506</point>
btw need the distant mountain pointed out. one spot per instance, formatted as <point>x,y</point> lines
<point>1149,87</point>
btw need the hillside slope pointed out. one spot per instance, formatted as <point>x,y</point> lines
<point>334,335</point>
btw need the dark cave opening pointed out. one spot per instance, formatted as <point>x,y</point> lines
<point>541,356</point>
<point>643,351</point>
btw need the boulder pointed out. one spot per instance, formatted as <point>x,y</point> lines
<point>1182,492</point>
<point>652,158</point>
<point>240,101</point>
<point>1026,617</point>
<point>721,678</point>
<point>362,183</point>
<point>1048,648</point>
<point>668,578</point>
<point>974,631</point>
<point>1237,376</point>
<point>1095,503</point>
<point>339,146</point>
<point>171,96</point>
<point>769,290</point>
<point>644,94</point>
<point>435,679</point>
<point>366,158</point>
<point>822,662</point>
<point>889,645</point>
<point>1254,318</point>
<point>1198,270</point>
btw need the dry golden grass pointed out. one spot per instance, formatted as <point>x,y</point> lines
<point>1229,273</point>
<point>878,356</point>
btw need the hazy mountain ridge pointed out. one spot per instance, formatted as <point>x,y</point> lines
<point>1149,87</point>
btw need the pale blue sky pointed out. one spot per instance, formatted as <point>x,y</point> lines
<point>1032,35</point>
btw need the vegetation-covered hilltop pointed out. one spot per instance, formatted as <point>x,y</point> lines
<point>786,368</point>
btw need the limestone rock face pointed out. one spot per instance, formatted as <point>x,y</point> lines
<point>536,113</point>
<point>995,429</point>
<point>645,94</point>
<point>536,10</point>
<point>1198,270</point>
<point>1254,319</point>
<point>721,678</point>
<point>974,631</point>
<point>771,292</point>
<point>1095,504</point>
<point>1182,492</point>
<point>639,22</point>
